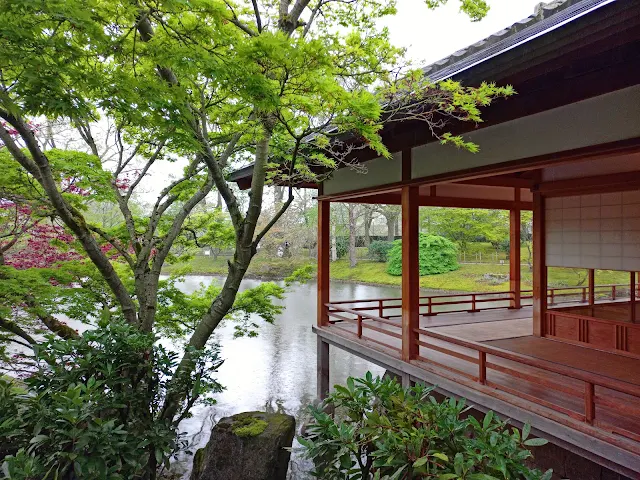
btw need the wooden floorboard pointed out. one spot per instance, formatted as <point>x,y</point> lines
<point>608,364</point>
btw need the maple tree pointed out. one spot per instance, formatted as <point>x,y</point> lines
<point>203,84</point>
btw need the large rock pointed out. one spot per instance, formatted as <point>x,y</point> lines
<point>247,446</point>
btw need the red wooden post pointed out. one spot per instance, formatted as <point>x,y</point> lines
<point>323,261</point>
<point>553,292</point>
<point>430,305</point>
<point>589,403</point>
<point>473,303</point>
<point>514,253</point>
<point>584,294</point>
<point>613,292</point>
<point>482,367</point>
<point>359,326</point>
<point>539,265</point>
<point>632,295</point>
<point>592,286</point>
<point>380,308</point>
<point>410,272</point>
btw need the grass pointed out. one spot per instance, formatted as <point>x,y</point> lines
<point>468,278</point>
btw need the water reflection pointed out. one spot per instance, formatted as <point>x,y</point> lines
<point>277,370</point>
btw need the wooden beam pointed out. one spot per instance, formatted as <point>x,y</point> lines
<point>459,202</point>
<point>604,150</point>
<point>410,273</point>
<point>539,266</point>
<point>322,369</point>
<point>501,181</point>
<point>596,184</point>
<point>514,253</point>
<point>592,286</point>
<point>323,261</point>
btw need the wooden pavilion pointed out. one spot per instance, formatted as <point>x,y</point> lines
<point>566,147</point>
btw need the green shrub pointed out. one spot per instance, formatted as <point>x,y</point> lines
<point>382,431</point>
<point>93,408</point>
<point>342,246</point>
<point>437,255</point>
<point>379,250</point>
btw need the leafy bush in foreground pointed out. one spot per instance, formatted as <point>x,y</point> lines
<point>436,255</point>
<point>382,431</point>
<point>379,250</point>
<point>92,409</point>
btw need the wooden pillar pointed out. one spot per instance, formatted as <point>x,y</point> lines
<point>323,369</point>
<point>539,266</point>
<point>592,286</point>
<point>632,295</point>
<point>514,253</point>
<point>410,272</point>
<point>323,261</point>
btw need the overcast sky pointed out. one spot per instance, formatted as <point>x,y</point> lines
<point>430,35</point>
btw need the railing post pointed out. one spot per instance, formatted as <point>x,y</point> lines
<point>430,305</point>
<point>473,302</point>
<point>613,292</point>
<point>592,286</point>
<point>380,308</point>
<point>359,326</point>
<point>584,294</point>
<point>589,402</point>
<point>482,367</point>
<point>552,301</point>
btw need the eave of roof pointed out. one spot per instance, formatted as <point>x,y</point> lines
<point>546,18</point>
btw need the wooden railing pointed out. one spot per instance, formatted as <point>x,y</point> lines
<point>611,335</point>
<point>570,396</point>
<point>479,366</point>
<point>558,295</point>
<point>476,301</point>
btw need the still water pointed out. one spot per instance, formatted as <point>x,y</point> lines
<point>276,371</point>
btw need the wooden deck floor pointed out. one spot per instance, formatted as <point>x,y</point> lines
<point>511,330</point>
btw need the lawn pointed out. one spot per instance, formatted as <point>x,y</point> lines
<point>468,278</point>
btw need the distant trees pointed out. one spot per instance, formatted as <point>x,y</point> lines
<point>466,225</point>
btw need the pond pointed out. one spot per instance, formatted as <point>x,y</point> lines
<point>276,371</point>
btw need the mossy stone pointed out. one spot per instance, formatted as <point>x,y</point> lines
<point>248,446</point>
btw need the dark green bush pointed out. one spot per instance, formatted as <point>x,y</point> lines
<point>342,246</point>
<point>437,255</point>
<point>382,431</point>
<point>93,409</point>
<point>379,250</point>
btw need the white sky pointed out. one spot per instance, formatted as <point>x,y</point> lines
<point>430,35</point>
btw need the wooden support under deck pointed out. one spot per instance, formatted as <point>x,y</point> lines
<point>410,272</point>
<point>539,265</point>
<point>514,252</point>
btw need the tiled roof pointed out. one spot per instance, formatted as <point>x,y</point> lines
<point>547,16</point>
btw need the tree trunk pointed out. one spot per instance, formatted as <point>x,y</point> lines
<point>368,220</point>
<point>334,243</point>
<point>352,235</point>
<point>278,196</point>
<point>391,228</point>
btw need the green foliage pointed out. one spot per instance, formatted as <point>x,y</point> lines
<point>92,408</point>
<point>379,250</point>
<point>179,312</point>
<point>436,255</point>
<point>382,431</point>
<point>467,225</point>
<point>342,246</point>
